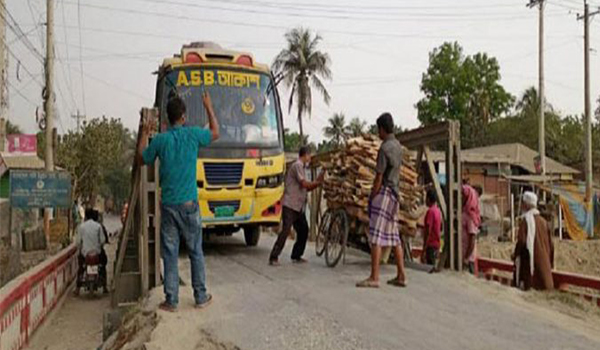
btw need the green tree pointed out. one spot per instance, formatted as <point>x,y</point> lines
<point>564,135</point>
<point>304,67</point>
<point>292,141</point>
<point>12,128</point>
<point>374,129</point>
<point>356,127</point>
<point>99,159</point>
<point>463,88</point>
<point>336,129</point>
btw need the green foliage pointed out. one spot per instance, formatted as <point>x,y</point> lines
<point>304,67</point>
<point>12,128</point>
<point>374,130</point>
<point>356,128</point>
<point>336,129</point>
<point>99,159</point>
<point>564,135</point>
<point>463,88</point>
<point>326,146</point>
<point>292,141</point>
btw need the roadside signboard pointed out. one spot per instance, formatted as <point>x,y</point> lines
<point>39,189</point>
<point>22,144</point>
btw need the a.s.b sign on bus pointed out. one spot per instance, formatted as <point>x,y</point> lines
<point>39,189</point>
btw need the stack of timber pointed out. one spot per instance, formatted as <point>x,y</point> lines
<point>350,176</point>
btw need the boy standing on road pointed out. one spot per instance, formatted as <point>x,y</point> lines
<point>384,205</point>
<point>431,233</point>
<point>294,201</point>
<point>177,150</point>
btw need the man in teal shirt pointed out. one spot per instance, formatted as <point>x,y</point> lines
<point>177,150</point>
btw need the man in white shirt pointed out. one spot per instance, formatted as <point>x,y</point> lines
<point>90,241</point>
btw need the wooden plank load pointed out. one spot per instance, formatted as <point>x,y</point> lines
<point>351,172</point>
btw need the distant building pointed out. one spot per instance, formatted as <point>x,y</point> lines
<point>494,167</point>
<point>10,162</point>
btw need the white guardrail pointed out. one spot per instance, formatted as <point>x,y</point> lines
<point>27,300</point>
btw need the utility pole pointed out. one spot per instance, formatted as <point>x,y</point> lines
<point>3,78</point>
<point>541,92</point>
<point>589,175</point>
<point>78,117</point>
<point>49,101</point>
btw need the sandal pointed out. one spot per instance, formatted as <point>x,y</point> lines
<point>367,284</point>
<point>397,283</point>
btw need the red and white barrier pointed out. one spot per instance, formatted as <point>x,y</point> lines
<point>488,268</point>
<point>27,300</point>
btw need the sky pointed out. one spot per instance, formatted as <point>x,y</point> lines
<point>107,50</point>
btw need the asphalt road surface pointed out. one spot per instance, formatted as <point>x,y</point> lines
<point>311,306</point>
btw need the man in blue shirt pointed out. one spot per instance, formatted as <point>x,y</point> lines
<point>177,149</point>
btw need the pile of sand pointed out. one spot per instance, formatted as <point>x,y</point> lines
<point>569,256</point>
<point>141,324</point>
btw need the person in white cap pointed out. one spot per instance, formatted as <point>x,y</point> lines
<point>534,252</point>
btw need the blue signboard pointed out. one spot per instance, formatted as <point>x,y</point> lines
<point>39,189</point>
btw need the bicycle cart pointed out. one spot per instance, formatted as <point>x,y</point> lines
<point>340,226</point>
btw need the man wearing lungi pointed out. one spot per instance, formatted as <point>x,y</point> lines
<point>384,205</point>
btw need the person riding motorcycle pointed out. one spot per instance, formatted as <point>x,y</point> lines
<point>90,240</point>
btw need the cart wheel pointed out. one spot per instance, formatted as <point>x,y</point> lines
<point>337,238</point>
<point>321,239</point>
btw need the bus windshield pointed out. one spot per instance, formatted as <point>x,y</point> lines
<point>244,104</point>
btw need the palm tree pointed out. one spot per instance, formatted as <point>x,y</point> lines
<point>356,127</point>
<point>336,130</point>
<point>303,67</point>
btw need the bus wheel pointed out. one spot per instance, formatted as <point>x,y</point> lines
<point>251,235</point>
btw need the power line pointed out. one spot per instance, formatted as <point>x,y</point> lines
<point>15,89</point>
<point>163,15</point>
<point>319,13</point>
<point>16,29</point>
<point>21,65</point>
<point>68,77</point>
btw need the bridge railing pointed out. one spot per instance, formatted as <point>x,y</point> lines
<point>489,269</point>
<point>27,300</point>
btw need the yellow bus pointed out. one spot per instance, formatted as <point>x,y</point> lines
<point>240,176</point>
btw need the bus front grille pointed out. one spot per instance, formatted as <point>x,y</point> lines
<point>212,205</point>
<point>223,174</point>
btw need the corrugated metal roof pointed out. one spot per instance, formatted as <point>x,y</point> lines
<point>21,161</point>
<point>522,156</point>
<point>515,154</point>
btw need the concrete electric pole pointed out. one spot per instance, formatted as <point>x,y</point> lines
<point>589,175</point>
<point>3,78</point>
<point>78,117</point>
<point>49,90</point>
<point>541,92</point>
<point>49,102</point>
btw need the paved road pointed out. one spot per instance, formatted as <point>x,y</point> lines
<point>314,307</point>
<point>77,323</point>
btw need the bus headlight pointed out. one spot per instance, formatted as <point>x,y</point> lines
<point>271,181</point>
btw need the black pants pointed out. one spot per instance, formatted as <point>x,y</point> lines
<point>101,269</point>
<point>298,221</point>
<point>431,256</point>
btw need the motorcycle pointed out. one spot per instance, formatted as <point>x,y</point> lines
<point>91,273</point>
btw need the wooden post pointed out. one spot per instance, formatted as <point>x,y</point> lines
<point>436,184</point>
<point>157,219</point>
<point>143,237</point>
<point>512,217</point>
<point>449,239</point>
<point>560,220</point>
<point>313,207</point>
<point>455,139</point>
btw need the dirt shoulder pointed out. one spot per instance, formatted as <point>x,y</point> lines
<point>570,256</point>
